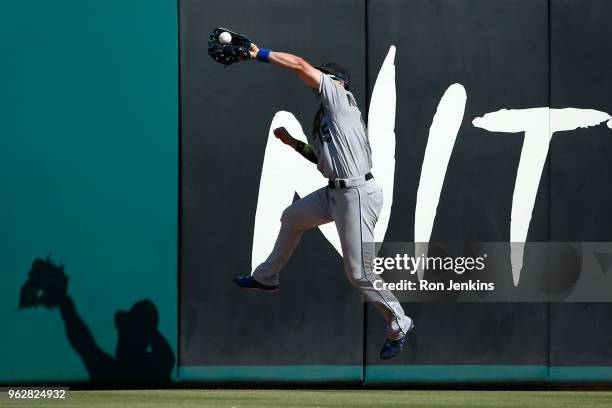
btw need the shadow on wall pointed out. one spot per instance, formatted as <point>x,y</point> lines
<point>142,353</point>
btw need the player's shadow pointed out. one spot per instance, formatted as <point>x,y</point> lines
<point>142,354</point>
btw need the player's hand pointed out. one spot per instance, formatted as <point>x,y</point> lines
<point>284,136</point>
<point>253,51</point>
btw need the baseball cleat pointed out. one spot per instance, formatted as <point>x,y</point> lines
<point>391,348</point>
<point>248,282</point>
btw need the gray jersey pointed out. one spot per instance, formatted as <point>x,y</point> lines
<point>339,136</point>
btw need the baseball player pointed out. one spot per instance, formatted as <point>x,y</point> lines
<point>352,199</point>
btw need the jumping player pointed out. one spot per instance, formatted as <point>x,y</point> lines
<point>340,148</point>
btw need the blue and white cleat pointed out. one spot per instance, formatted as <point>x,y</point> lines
<point>248,282</point>
<point>392,348</point>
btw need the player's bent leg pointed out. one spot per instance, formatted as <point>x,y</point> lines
<point>267,272</point>
<point>355,212</point>
<point>304,214</point>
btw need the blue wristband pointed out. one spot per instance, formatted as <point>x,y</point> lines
<point>263,55</point>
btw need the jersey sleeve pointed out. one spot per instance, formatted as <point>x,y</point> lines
<point>332,95</point>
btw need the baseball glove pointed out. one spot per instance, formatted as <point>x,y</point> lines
<point>235,51</point>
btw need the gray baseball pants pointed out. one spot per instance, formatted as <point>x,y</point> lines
<point>355,211</point>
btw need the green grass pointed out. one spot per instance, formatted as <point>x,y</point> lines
<point>325,399</point>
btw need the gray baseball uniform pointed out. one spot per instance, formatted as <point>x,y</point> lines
<point>341,145</point>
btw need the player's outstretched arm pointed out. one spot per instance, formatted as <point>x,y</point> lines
<point>306,72</point>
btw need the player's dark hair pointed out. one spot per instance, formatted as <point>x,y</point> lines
<point>336,70</point>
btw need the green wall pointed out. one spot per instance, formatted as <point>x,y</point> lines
<point>88,169</point>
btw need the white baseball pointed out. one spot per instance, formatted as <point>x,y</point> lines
<point>225,38</point>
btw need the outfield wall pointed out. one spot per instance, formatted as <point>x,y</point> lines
<point>514,54</point>
<point>90,163</point>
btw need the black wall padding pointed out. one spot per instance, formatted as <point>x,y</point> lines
<point>581,167</point>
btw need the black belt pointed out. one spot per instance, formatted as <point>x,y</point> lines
<point>342,183</point>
